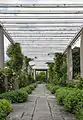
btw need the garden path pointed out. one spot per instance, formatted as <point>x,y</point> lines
<point>41,105</point>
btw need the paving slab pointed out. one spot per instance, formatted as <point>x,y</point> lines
<point>41,105</point>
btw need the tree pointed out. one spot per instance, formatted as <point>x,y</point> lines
<point>16,61</point>
<point>16,57</point>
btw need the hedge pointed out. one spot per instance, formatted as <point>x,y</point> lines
<point>5,109</point>
<point>71,98</point>
<point>18,96</point>
<point>52,88</point>
<point>73,102</point>
<point>61,93</point>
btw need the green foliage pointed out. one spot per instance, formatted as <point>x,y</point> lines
<point>30,79</point>
<point>74,100</point>
<point>62,93</point>
<point>58,70</point>
<point>2,76</point>
<point>18,96</point>
<point>5,108</point>
<point>76,60</point>
<point>63,78</point>
<point>29,88</point>
<point>14,65</point>
<point>15,96</point>
<point>52,88</point>
<point>32,86</point>
<point>79,115</point>
<point>10,77</point>
<point>17,68</point>
<point>23,77</point>
<point>26,62</point>
<point>16,57</point>
<point>78,82</point>
<point>51,72</point>
<point>41,77</point>
<point>58,62</point>
<point>68,94</point>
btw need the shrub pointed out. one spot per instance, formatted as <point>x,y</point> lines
<point>2,89</point>
<point>5,108</point>
<point>79,84</point>
<point>62,93</point>
<point>18,96</point>
<point>32,86</point>
<point>76,83</point>
<point>79,115</point>
<point>71,84</point>
<point>53,88</point>
<point>15,96</point>
<point>27,89</point>
<point>74,100</point>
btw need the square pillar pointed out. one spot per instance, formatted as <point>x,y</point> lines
<point>28,69</point>
<point>1,49</point>
<point>47,76</point>
<point>69,64</point>
<point>81,55</point>
<point>6,83</point>
<point>34,75</point>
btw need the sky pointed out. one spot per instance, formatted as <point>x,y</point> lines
<point>6,42</point>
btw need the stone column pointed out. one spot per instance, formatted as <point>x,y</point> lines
<point>81,55</point>
<point>6,83</point>
<point>47,76</point>
<point>2,57</point>
<point>28,69</point>
<point>34,74</point>
<point>1,49</point>
<point>31,72</point>
<point>69,64</point>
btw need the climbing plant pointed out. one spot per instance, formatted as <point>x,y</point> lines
<point>58,70</point>
<point>26,62</point>
<point>76,61</point>
<point>2,89</point>
<point>51,72</point>
<point>16,57</point>
<point>14,64</point>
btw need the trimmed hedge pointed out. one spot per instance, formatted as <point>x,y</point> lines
<point>79,115</point>
<point>18,96</point>
<point>52,88</point>
<point>71,98</point>
<point>5,108</point>
<point>61,93</point>
<point>73,102</point>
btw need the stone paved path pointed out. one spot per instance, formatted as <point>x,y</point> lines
<point>41,105</point>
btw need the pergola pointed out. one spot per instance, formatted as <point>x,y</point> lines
<point>42,30</point>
